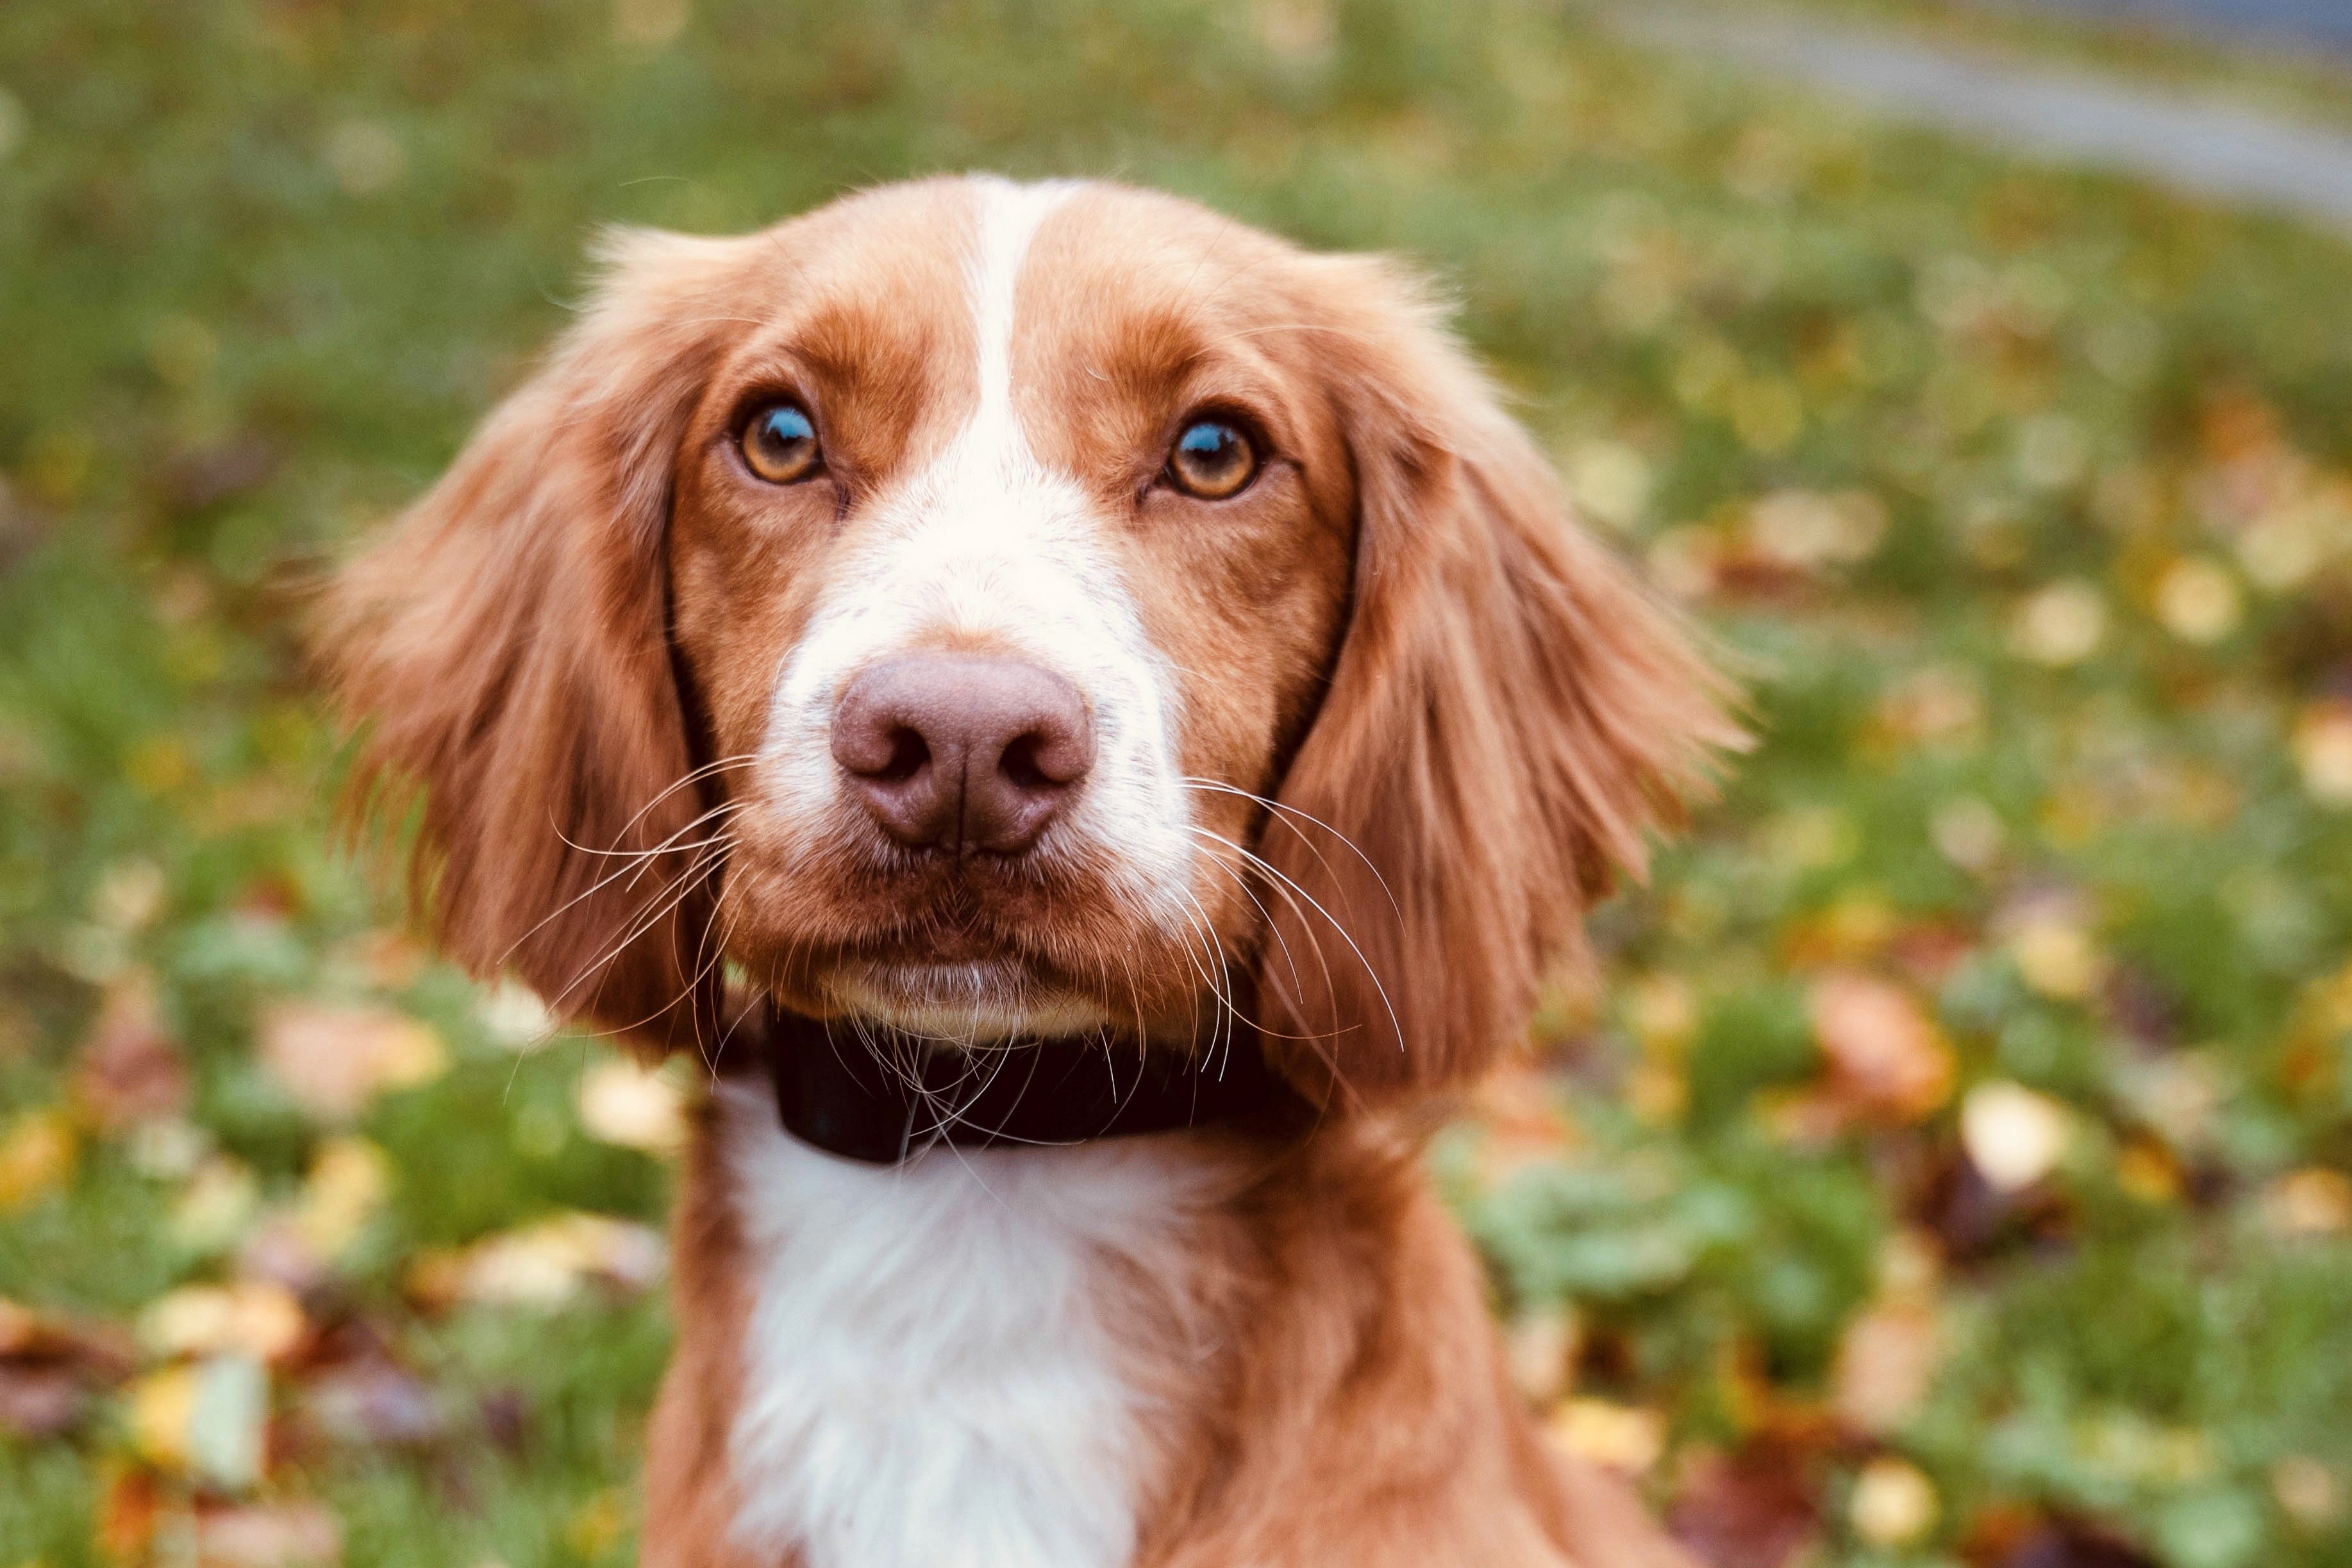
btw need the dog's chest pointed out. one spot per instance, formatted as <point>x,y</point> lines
<point>930,1376</point>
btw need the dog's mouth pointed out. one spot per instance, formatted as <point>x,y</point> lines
<point>978,998</point>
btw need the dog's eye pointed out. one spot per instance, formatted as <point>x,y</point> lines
<point>779,442</point>
<point>1211,460</point>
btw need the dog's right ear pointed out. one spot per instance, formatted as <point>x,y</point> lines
<point>1510,715</point>
<point>503,651</point>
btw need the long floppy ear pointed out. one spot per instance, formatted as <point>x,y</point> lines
<point>503,650</point>
<point>1509,714</point>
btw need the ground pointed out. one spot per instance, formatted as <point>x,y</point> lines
<point>1953,1165</point>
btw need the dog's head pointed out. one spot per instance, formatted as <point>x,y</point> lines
<point>999,610</point>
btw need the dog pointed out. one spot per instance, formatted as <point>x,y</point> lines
<point>1093,723</point>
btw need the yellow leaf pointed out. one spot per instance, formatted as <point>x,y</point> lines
<point>334,1060</point>
<point>622,1103</point>
<point>2013,1136</point>
<point>219,1201</point>
<point>1894,1504</point>
<point>36,1157</point>
<point>2059,625</point>
<point>1621,1437</point>
<point>347,1183</point>
<point>258,1317</point>
<point>2323,750</point>
<point>2198,600</point>
<point>162,1404</point>
<point>2056,956</point>
<point>2314,1201</point>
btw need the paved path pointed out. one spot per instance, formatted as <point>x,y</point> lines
<point>2276,23</point>
<point>2206,146</point>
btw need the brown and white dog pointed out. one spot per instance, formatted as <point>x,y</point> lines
<point>977,626</point>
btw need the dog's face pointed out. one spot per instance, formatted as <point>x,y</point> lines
<point>1011,548</point>
<point>993,609</point>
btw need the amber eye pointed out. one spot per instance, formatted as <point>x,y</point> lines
<point>779,442</point>
<point>1211,460</point>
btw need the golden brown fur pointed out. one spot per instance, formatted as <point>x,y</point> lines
<point>1464,711</point>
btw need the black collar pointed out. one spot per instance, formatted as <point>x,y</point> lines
<point>858,1091</point>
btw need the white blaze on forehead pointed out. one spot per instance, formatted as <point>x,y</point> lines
<point>989,545</point>
<point>1010,216</point>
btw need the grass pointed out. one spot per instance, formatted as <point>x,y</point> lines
<point>1955,1167</point>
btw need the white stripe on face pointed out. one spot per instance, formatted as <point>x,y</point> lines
<point>989,544</point>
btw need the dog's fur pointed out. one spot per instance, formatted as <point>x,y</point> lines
<point>1368,734</point>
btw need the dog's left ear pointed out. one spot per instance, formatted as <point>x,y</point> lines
<point>502,650</point>
<point>1508,715</point>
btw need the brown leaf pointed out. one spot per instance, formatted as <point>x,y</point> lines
<point>126,1518</point>
<point>1756,1509</point>
<point>39,1401</point>
<point>334,1060</point>
<point>1885,1364</point>
<point>130,1070</point>
<point>49,1369</point>
<point>2066,1543</point>
<point>1888,1062</point>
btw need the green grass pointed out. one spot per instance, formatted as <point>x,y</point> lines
<point>263,264</point>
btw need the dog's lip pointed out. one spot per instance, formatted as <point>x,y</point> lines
<point>999,997</point>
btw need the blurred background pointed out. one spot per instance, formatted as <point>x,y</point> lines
<point>1954,1171</point>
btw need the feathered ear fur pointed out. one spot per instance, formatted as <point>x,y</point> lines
<point>1508,715</point>
<point>503,650</point>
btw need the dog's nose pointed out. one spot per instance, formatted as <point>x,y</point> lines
<point>963,752</point>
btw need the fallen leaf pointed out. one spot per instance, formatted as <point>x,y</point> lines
<point>50,1367</point>
<point>2314,1201</point>
<point>598,1522</point>
<point>347,1183</point>
<point>2068,1544</point>
<point>2056,956</point>
<point>37,1156</point>
<point>205,1417</point>
<point>1894,1504</point>
<point>220,1200</point>
<point>39,1401</point>
<point>228,1420</point>
<point>516,1018</point>
<point>1756,1509</point>
<point>334,1060</point>
<point>633,1105</point>
<point>277,1535</point>
<point>126,1515</point>
<point>128,1071</point>
<point>1886,1363</point>
<point>1889,1061</point>
<point>2323,750</point>
<point>258,1317</point>
<point>2060,624</point>
<point>162,1404</point>
<point>2014,1137</point>
<point>543,1265</point>
<point>2308,1491</point>
<point>1621,1437</point>
<point>2198,600</point>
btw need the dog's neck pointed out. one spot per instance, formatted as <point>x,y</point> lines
<point>939,1359</point>
<point>867,1091</point>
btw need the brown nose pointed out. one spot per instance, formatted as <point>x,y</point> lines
<point>961,752</point>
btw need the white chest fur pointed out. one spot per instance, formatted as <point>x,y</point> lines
<point>929,1379</point>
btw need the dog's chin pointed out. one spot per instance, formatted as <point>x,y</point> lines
<point>980,1002</point>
